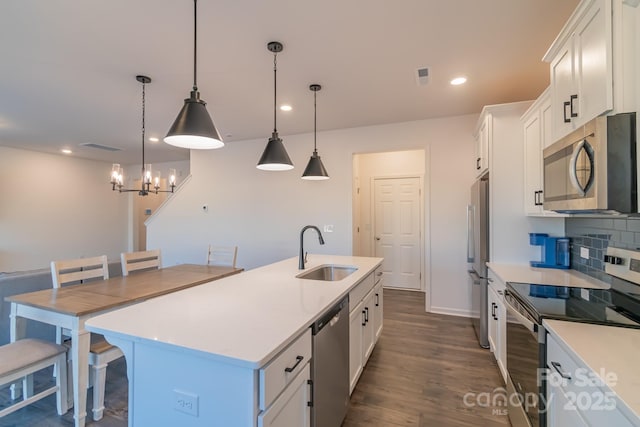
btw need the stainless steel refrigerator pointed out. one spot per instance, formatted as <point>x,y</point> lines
<point>478,255</point>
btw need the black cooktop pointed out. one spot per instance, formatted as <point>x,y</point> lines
<point>599,306</point>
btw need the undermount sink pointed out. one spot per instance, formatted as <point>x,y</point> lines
<point>328,272</point>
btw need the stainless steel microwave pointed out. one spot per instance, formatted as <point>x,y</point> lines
<point>594,168</point>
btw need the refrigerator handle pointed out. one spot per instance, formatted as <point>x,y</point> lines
<point>470,234</point>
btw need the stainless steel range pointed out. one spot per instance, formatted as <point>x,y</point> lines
<point>528,304</point>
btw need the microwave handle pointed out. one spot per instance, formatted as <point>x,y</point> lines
<point>573,169</point>
<point>471,210</point>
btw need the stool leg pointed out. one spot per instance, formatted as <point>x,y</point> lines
<point>99,374</point>
<point>62,394</point>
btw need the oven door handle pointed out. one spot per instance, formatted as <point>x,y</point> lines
<point>531,326</point>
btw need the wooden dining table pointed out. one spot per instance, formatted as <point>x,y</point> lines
<point>71,306</point>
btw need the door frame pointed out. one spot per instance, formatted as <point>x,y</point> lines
<point>425,282</point>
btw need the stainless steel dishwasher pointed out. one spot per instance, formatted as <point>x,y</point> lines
<point>330,367</point>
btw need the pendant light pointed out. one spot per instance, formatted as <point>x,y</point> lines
<point>193,128</point>
<point>147,179</point>
<point>315,170</point>
<point>275,157</point>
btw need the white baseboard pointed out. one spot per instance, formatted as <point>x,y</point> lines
<point>451,311</point>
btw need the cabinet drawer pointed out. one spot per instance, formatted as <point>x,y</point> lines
<point>275,376</point>
<point>377,274</point>
<point>584,391</point>
<point>360,290</point>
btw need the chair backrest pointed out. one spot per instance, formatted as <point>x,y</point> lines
<point>224,256</point>
<point>142,260</point>
<point>77,270</point>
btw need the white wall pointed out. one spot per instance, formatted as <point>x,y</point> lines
<point>56,207</point>
<point>263,212</point>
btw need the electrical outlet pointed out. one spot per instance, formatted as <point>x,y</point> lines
<point>185,402</point>
<point>584,252</point>
<point>328,228</point>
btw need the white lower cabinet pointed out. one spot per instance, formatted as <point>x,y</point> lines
<point>575,395</point>
<point>365,324</point>
<point>356,362</point>
<point>497,322</point>
<point>291,407</point>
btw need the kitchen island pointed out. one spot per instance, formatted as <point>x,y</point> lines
<point>228,353</point>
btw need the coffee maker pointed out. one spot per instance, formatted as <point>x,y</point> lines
<point>555,250</point>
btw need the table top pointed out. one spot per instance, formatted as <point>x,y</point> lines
<point>96,296</point>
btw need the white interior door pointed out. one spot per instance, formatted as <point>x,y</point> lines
<point>397,230</point>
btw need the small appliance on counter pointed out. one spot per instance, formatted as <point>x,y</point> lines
<point>555,250</point>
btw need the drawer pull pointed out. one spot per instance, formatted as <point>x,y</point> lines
<point>364,319</point>
<point>377,300</point>
<point>298,360</point>
<point>366,314</point>
<point>379,273</point>
<point>558,368</point>
<point>565,105</point>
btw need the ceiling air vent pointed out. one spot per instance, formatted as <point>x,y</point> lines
<point>422,76</point>
<point>99,146</point>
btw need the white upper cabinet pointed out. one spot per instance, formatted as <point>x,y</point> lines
<point>536,122</point>
<point>582,67</point>
<point>482,146</point>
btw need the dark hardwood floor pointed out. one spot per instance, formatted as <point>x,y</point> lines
<point>418,375</point>
<point>421,369</point>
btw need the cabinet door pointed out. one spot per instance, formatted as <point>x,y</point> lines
<point>532,165</point>
<point>378,311</point>
<point>559,412</point>
<point>562,87</point>
<point>356,325</point>
<point>368,331</point>
<point>482,147</point>
<point>501,335</point>
<point>493,324</point>
<point>593,62</point>
<point>292,407</point>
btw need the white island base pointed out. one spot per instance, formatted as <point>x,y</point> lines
<point>217,354</point>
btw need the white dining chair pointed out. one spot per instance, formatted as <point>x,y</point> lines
<point>223,256</point>
<point>141,260</point>
<point>101,353</point>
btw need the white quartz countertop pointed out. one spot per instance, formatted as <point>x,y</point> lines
<point>524,273</point>
<point>244,319</point>
<point>606,350</point>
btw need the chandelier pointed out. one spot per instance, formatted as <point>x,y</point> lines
<point>150,183</point>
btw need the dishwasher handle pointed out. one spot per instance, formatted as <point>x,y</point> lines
<point>331,316</point>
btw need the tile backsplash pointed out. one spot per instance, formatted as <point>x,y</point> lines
<point>596,234</point>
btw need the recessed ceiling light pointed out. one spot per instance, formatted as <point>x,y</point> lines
<point>286,107</point>
<point>66,151</point>
<point>458,81</point>
<point>154,139</point>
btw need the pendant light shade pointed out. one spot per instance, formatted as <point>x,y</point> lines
<point>315,170</point>
<point>193,128</point>
<point>275,157</point>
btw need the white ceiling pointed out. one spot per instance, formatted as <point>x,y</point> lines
<point>68,67</point>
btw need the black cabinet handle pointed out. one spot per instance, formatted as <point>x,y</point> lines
<point>366,314</point>
<point>537,198</point>
<point>558,368</point>
<point>377,300</point>
<point>298,360</point>
<point>364,320</point>
<point>478,163</point>
<point>571,99</point>
<point>540,198</point>
<point>493,311</point>
<point>565,105</point>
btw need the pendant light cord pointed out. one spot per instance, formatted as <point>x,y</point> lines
<point>143,129</point>
<point>315,110</point>
<point>195,44</point>
<point>275,85</point>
